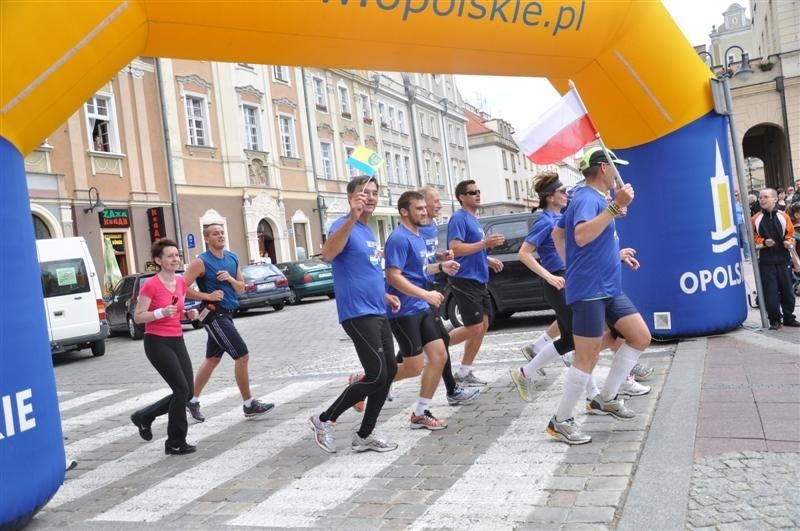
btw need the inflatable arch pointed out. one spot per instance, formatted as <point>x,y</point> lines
<point>642,82</point>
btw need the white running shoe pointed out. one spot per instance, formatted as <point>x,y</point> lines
<point>631,387</point>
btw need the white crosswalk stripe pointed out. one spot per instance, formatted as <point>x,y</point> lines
<point>81,447</point>
<point>112,410</point>
<point>334,481</point>
<point>153,452</point>
<point>86,399</point>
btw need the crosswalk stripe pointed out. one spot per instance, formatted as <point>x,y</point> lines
<point>337,479</point>
<point>112,410</point>
<point>85,399</point>
<point>507,480</point>
<point>153,452</point>
<point>81,447</point>
<point>170,495</point>
<point>64,393</point>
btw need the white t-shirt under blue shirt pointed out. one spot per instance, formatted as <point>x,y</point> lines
<point>593,271</point>
<point>357,274</point>
<point>430,233</point>
<point>466,228</point>
<point>407,252</point>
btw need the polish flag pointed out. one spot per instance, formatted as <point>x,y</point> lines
<point>560,132</point>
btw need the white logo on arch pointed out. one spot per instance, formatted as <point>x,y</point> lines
<point>724,235</point>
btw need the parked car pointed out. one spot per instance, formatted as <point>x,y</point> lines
<point>264,285</point>
<point>308,278</point>
<point>121,305</point>
<point>73,301</point>
<point>516,288</point>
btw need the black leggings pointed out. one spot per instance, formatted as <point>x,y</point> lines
<point>558,302</point>
<point>372,338</point>
<point>447,370</point>
<point>169,357</point>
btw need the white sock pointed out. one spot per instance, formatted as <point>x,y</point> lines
<point>574,385</point>
<point>624,360</point>
<point>464,370</point>
<point>248,402</point>
<point>541,341</point>
<point>194,400</point>
<point>422,405</point>
<point>591,387</point>
<point>545,356</point>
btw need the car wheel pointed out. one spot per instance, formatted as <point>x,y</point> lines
<point>292,298</point>
<point>331,295</point>
<point>197,325</point>
<point>99,348</point>
<point>454,313</point>
<point>279,306</point>
<point>133,329</point>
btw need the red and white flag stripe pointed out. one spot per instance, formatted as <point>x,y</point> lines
<point>560,132</point>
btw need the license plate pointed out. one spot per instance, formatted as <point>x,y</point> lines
<point>324,275</point>
<point>265,287</point>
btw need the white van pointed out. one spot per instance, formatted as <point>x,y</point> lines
<point>73,300</point>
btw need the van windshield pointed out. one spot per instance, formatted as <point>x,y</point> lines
<point>64,277</point>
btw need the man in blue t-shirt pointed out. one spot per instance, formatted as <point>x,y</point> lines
<point>361,301</point>
<point>456,395</point>
<point>594,292</point>
<point>469,244</point>
<point>415,326</point>
<point>219,279</point>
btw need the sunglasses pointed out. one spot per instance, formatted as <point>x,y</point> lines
<point>473,192</point>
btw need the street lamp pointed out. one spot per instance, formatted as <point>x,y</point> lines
<point>97,205</point>
<point>723,104</point>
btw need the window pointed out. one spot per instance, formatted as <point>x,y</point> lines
<point>326,151</point>
<point>320,97</point>
<point>280,73</point>
<point>398,168</point>
<point>515,233</point>
<point>197,121</point>
<point>514,163</point>
<point>301,244</point>
<point>366,108</point>
<point>437,164</point>
<point>287,136</point>
<point>422,128</point>
<point>401,121</point>
<point>428,169</point>
<point>505,160</point>
<point>348,150</point>
<point>407,168</point>
<point>516,190</point>
<point>450,137</point>
<point>388,158</point>
<point>252,132</point>
<point>460,137</point>
<point>382,113</point>
<point>64,277</point>
<point>344,101</point>
<point>508,188</point>
<point>434,129</point>
<point>101,126</point>
<point>392,124</point>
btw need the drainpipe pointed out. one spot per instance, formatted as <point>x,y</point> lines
<point>173,192</point>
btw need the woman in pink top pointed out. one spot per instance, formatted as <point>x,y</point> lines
<point>160,307</point>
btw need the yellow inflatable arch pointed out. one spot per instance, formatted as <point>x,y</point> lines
<point>642,82</point>
<point>636,72</point>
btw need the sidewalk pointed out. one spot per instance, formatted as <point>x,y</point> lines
<point>723,451</point>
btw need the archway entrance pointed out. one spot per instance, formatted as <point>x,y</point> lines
<point>40,228</point>
<point>266,241</point>
<point>768,143</point>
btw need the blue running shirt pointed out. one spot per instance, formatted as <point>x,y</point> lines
<point>593,271</point>
<point>465,227</point>
<point>540,237</point>
<point>407,252</point>
<point>357,274</point>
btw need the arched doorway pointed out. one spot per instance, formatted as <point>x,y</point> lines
<point>40,228</point>
<point>767,142</point>
<point>266,241</point>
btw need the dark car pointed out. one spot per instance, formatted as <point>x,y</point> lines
<point>516,288</point>
<point>264,285</point>
<point>121,305</point>
<point>308,278</point>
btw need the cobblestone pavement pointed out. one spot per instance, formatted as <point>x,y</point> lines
<point>494,467</point>
<point>745,490</point>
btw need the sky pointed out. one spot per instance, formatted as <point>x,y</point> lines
<point>520,101</point>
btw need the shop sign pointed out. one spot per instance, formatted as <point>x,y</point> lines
<point>115,218</point>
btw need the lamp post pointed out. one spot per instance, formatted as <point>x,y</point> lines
<point>98,203</point>
<point>723,104</point>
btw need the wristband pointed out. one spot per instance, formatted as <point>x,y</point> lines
<point>441,270</point>
<point>158,313</point>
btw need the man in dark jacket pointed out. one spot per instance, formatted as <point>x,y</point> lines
<point>774,235</point>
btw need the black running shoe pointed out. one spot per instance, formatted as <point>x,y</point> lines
<point>144,429</point>
<point>256,408</point>
<point>183,449</point>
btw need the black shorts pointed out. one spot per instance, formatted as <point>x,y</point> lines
<point>223,337</point>
<point>472,298</point>
<point>413,332</point>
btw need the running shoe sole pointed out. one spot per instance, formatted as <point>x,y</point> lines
<point>563,439</point>
<point>597,411</point>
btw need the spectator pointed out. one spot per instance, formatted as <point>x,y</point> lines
<point>739,216</point>
<point>752,198</point>
<point>774,235</point>
<point>794,198</point>
<point>781,204</point>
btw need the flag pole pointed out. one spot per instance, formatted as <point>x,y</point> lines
<point>617,176</point>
